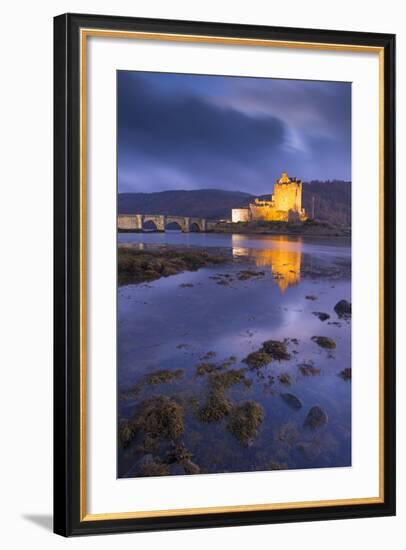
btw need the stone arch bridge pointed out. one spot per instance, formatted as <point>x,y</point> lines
<point>137,222</point>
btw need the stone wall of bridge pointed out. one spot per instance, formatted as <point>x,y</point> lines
<point>136,222</point>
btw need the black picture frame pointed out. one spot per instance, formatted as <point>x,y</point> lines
<point>67,289</point>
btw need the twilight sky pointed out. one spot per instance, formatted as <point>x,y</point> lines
<point>179,131</point>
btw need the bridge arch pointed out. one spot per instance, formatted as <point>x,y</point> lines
<point>197,224</point>
<point>181,221</point>
<point>154,221</point>
<point>173,226</point>
<point>149,225</point>
<point>194,227</point>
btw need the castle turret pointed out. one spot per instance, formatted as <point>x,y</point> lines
<point>288,194</point>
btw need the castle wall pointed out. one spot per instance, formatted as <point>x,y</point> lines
<point>267,212</point>
<point>240,215</point>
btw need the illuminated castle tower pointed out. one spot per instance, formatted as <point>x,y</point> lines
<point>285,205</point>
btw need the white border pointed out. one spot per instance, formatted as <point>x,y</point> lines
<point>106,493</point>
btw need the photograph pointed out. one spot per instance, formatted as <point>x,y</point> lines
<point>233,274</point>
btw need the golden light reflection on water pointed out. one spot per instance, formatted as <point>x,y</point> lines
<point>283,256</point>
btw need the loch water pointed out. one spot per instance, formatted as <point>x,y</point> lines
<point>178,321</point>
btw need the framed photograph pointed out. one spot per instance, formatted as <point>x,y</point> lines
<point>224,274</point>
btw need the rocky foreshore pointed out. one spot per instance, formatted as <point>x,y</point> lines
<point>153,433</point>
<point>141,265</point>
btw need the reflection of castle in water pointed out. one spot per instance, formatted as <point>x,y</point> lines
<point>284,259</point>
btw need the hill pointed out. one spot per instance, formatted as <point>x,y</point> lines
<point>202,203</point>
<point>332,201</point>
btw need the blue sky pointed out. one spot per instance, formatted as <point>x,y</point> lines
<point>179,131</point>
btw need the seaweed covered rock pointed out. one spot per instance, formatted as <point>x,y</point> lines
<point>343,309</point>
<point>208,368</point>
<point>308,369</point>
<point>285,379</point>
<point>228,362</point>
<point>163,376</point>
<point>216,407</point>
<point>179,455</point>
<point>132,392</point>
<point>221,381</point>
<point>177,452</point>
<point>345,374</point>
<point>276,349</point>
<point>324,342</point>
<point>316,418</point>
<point>257,359</point>
<point>126,432</point>
<point>136,266</point>
<point>245,420</point>
<point>160,418</point>
<point>190,467</point>
<point>270,350</point>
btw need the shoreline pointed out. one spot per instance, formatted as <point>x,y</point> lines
<point>337,235</point>
<point>307,228</point>
<point>312,229</point>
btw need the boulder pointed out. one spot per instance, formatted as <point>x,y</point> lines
<point>343,309</point>
<point>244,422</point>
<point>324,342</point>
<point>291,400</point>
<point>276,349</point>
<point>321,315</point>
<point>345,374</point>
<point>316,418</point>
<point>257,359</point>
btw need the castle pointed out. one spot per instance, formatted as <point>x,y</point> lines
<point>285,205</point>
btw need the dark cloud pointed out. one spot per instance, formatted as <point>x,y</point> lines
<point>187,131</point>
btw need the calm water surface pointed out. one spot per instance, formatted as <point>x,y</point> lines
<point>164,325</point>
